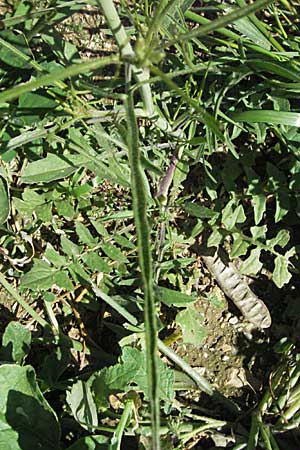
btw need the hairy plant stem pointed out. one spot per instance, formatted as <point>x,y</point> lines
<point>139,198</point>
<point>126,51</point>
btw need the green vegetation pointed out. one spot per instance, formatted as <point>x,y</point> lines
<point>135,138</point>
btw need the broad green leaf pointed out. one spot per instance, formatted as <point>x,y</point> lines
<point>281,239</point>
<point>96,442</point>
<point>4,202</point>
<point>173,298</point>
<point>130,372</point>
<point>70,248</point>
<point>124,242</point>
<point>82,405</point>
<point>281,275</point>
<point>191,322</point>
<point>216,298</point>
<point>54,257</point>
<point>248,29</point>
<point>200,211</point>
<point>54,365</point>
<point>259,202</point>
<point>239,246</point>
<point>85,235</point>
<point>100,228</point>
<point>34,106</point>
<point>114,171</point>
<point>282,204</point>
<point>65,208</point>
<point>31,202</point>
<point>16,342</point>
<point>259,232</point>
<point>114,252</point>
<point>79,274</point>
<point>215,238</point>
<point>96,263</point>
<point>44,212</point>
<point>51,168</point>
<point>252,265</point>
<point>272,117</point>
<point>14,49</point>
<point>27,421</point>
<point>166,376</point>
<point>42,276</point>
<point>232,215</point>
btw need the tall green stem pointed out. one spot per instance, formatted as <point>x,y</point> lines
<point>139,198</point>
<point>126,51</point>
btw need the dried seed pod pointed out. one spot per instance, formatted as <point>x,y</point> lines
<point>234,286</point>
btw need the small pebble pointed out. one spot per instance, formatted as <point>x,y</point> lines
<point>234,320</point>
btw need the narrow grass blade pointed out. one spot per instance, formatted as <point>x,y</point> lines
<point>221,22</point>
<point>12,291</point>
<point>204,116</point>
<point>267,116</point>
<point>110,301</point>
<point>57,75</point>
<point>26,58</point>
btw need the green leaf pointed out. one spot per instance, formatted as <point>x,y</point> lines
<point>200,211</point>
<point>79,274</point>
<point>42,276</point>
<point>215,238</point>
<point>112,170</point>
<point>281,239</point>
<point>114,253</point>
<point>282,204</point>
<point>266,116</point>
<point>16,342</point>
<point>51,168</point>
<point>96,442</point>
<point>30,203</point>
<point>85,235</point>
<point>4,202</point>
<point>239,246</point>
<point>70,248</point>
<point>65,208</point>
<point>252,265</point>
<point>82,405</point>
<point>129,372</point>
<point>259,232</point>
<point>190,321</point>
<point>124,242</point>
<point>54,257</point>
<point>54,365</point>
<point>34,106</point>
<point>173,298</point>
<point>96,263</point>
<point>27,421</point>
<point>259,202</point>
<point>231,216</point>
<point>281,275</point>
<point>14,49</point>
<point>248,29</point>
<point>100,228</point>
